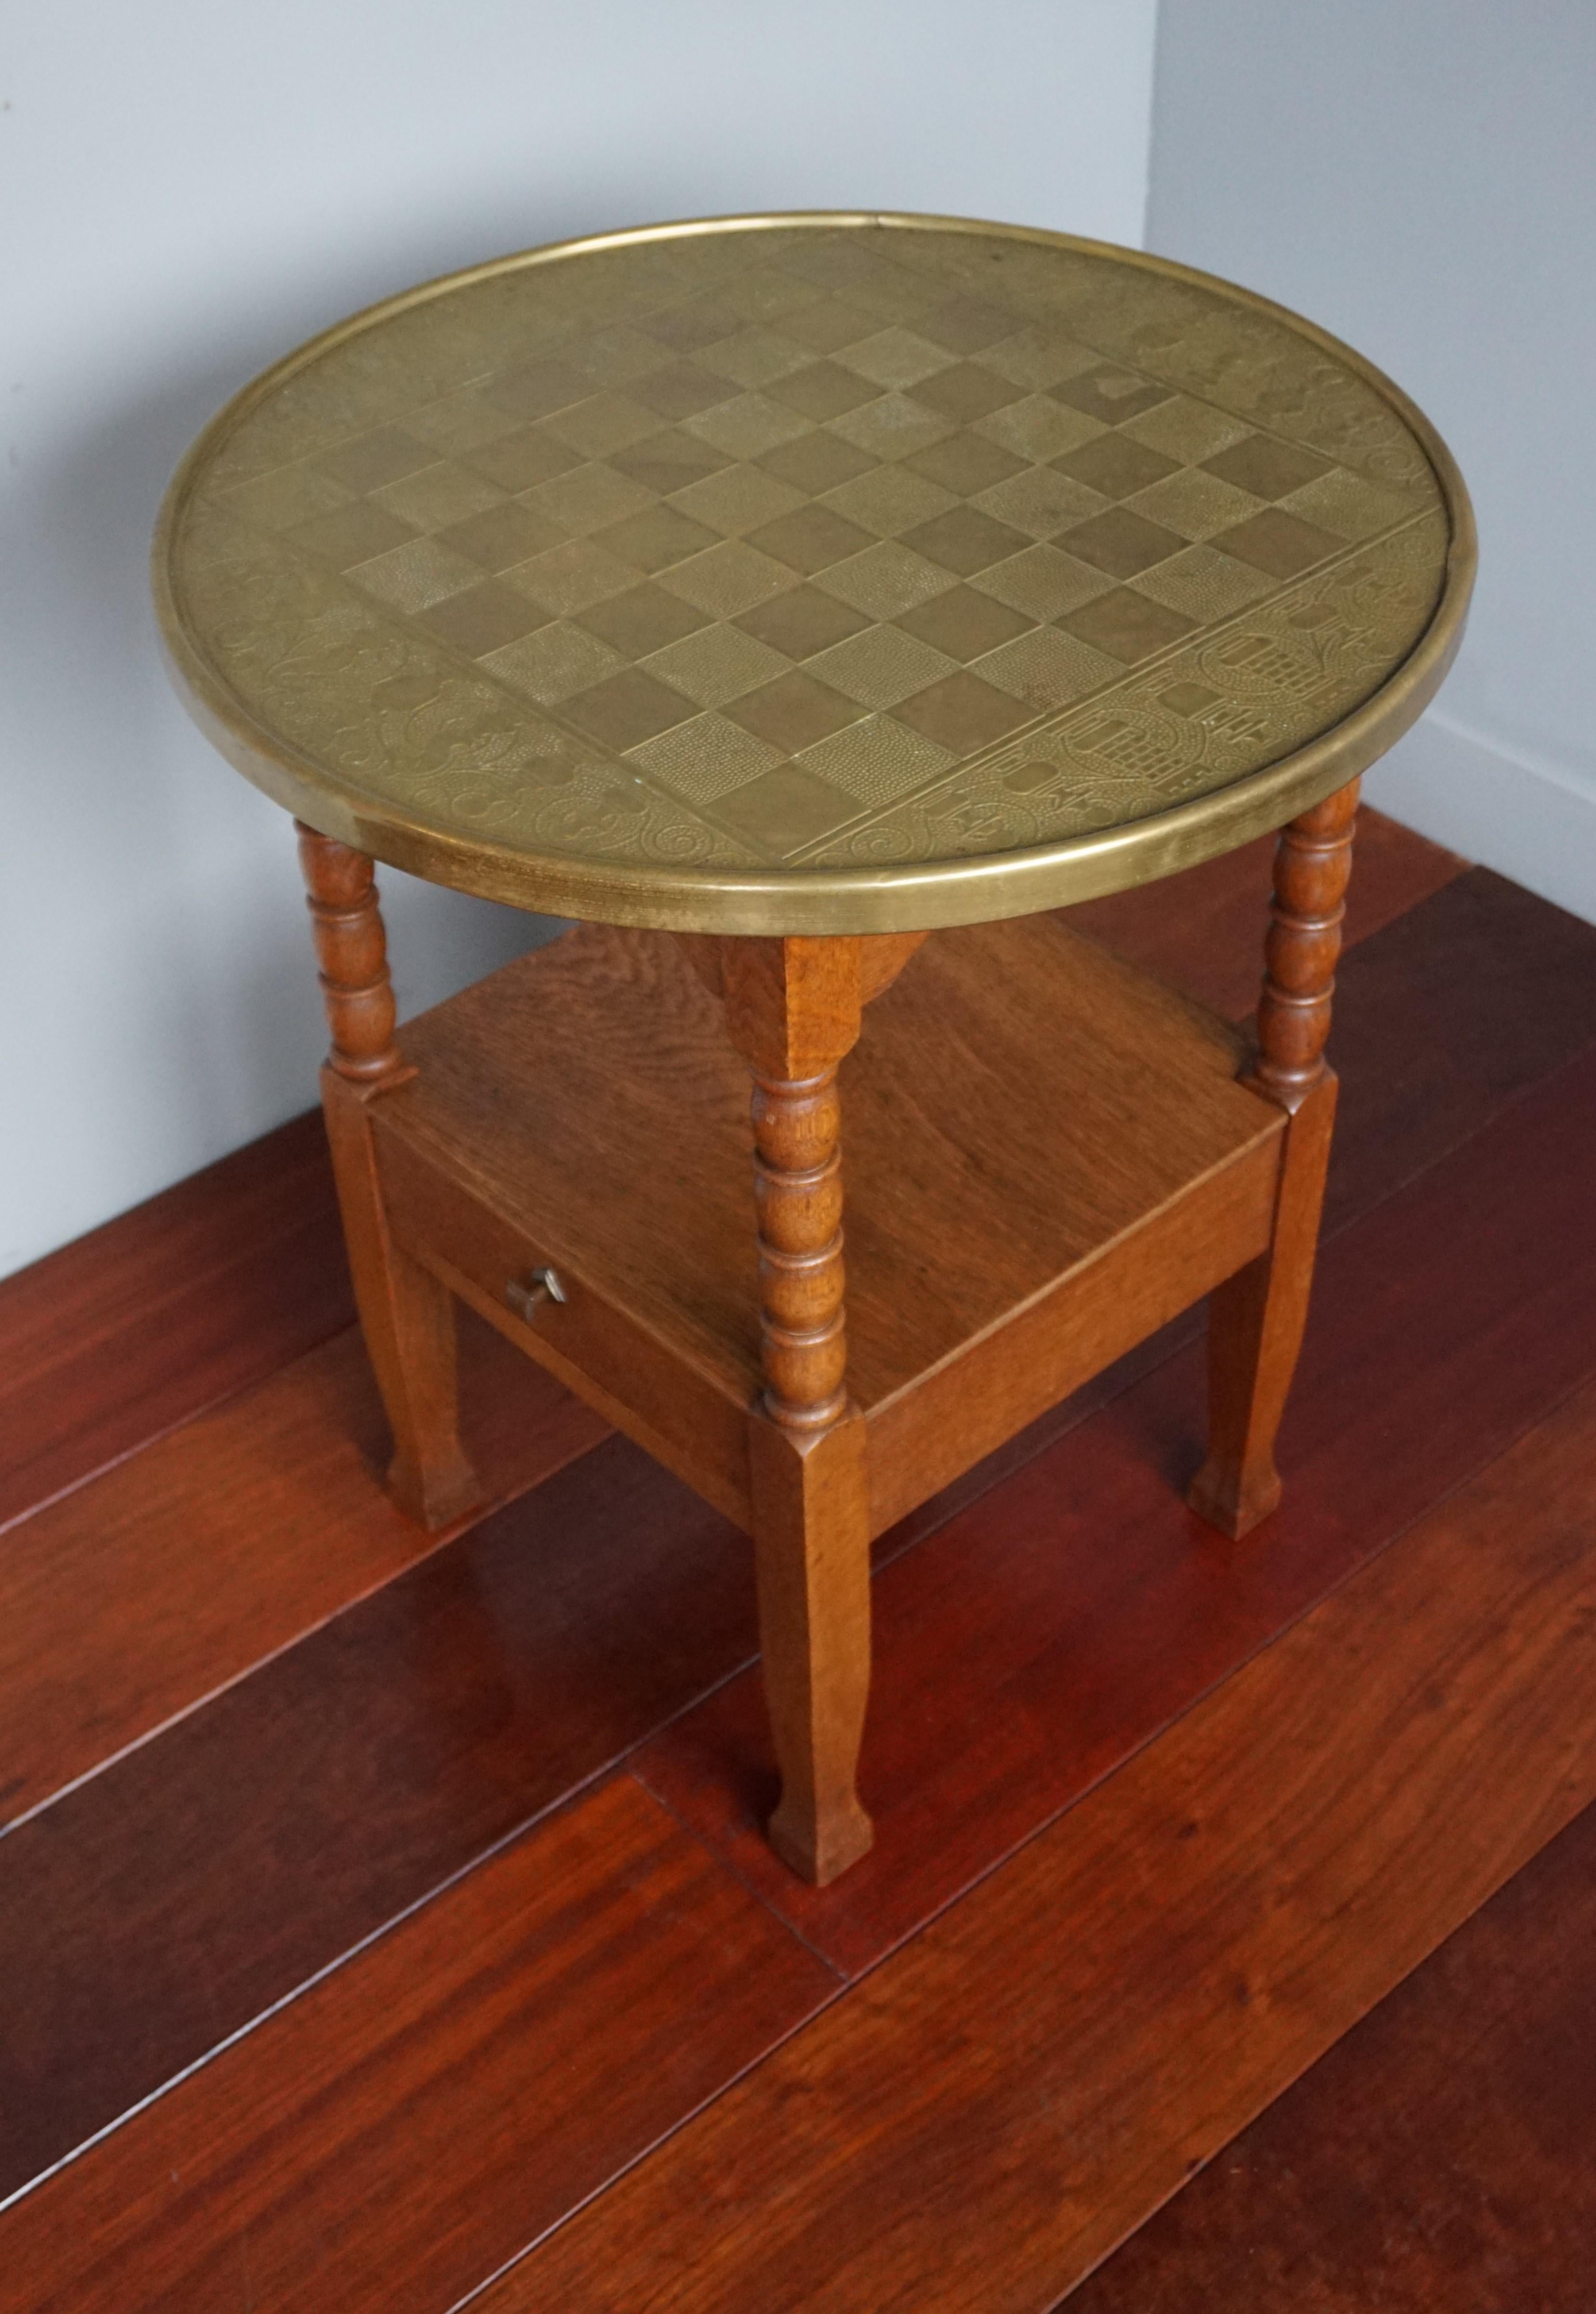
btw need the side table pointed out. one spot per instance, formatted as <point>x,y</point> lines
<point>801,588</point>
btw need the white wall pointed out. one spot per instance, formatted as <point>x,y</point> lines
<point>188,189</point>
<point>1420,176</point>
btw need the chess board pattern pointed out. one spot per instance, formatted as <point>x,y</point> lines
<point>821,545</point>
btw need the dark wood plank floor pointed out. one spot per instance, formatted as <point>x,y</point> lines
<point>1006,2097</point>
<point>185,1566</point>
<point>539,2002</point>
<point>1441,2156</point>
<point>137,1325</point>
<point>383,1918</point>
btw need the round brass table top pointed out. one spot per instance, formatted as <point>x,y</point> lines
<point>812,574</point>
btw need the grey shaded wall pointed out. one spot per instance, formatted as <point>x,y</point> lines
<point>1420,177</point>
<point>188,189</point>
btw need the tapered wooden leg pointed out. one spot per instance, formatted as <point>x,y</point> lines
<point>812,1556</point>
<point>406,1317</point>
<point>793,1010</point>
<point>1256,1320</point>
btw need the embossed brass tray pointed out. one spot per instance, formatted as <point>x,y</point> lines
<point>812,574</point>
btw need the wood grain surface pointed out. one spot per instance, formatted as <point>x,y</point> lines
<point>1064,1338</point>
<point>979,2123</point>
<point>137,1326</point>
<point>1476,995</point>
<point>414,2120</point>
<point>1436,2161</point>
<point>171,1899</point>
<point>179,1570</point>
<point>979,1163</point>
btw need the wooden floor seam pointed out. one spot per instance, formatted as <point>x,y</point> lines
<point>431,1544</point>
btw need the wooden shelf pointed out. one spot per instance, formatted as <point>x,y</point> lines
<point>1035,1136</point>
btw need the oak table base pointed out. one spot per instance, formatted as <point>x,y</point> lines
<point>1048,1156</point>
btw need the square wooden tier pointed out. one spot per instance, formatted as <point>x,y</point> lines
<point>1047,1155</point>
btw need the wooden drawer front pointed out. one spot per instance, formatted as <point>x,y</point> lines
<point>928,1434</point>
<point>639,1383</point>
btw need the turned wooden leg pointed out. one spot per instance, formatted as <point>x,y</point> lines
<point>406,1317</point>
<point>1255,1319</point>
<point>793,1010</point>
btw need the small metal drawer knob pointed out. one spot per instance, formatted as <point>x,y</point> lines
<point>526,1296</point>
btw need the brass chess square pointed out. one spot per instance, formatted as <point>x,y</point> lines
<point>786,808</point>
<point>627,708</point>
<point>668,459</point>
<point>348,534</point>
<point>482,618</point>
<point>521,460</point>
<point>1127,625</point>
<point>816,462</point>
<point>1121,542</point>
<point>802,622</point>
<point>967,390</point>
<point>966,540</point>
<point>1280,544</point>
<point>793,712</point>
<point>963,713</point>
<point>501,536</point>
<point>964,464</point>
<point>811,539</point>
<point>964,623</point>
<point>373,459</point>
<point>1268,468</point>
<point>1116,465</point>
<point>1110,394</point>
<point>823,389</point>
<point>642,620</point>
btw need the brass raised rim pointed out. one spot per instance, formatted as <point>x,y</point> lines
<point>778,901</point>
